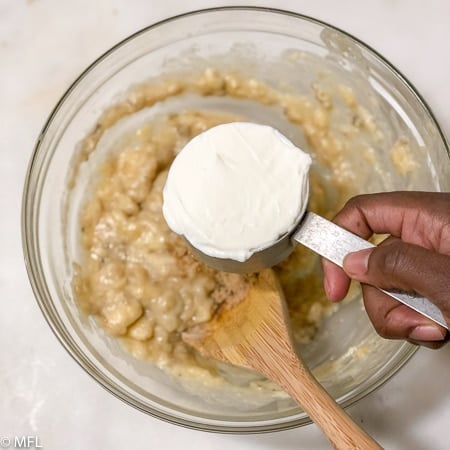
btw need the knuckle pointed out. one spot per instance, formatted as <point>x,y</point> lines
<point>394,260</point>
<point>355,202</point>
<point>440,286</point>
<point>353,215</point>
<point>379,308</point>
<point>443,238</point>
<point>389,327</point>
<point>383,330</point>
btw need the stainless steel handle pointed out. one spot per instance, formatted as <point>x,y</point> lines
<point>334,243</point>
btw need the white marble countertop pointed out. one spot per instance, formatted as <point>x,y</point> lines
<point>44,45</point>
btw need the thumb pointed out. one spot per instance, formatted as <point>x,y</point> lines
<point>403,266</point>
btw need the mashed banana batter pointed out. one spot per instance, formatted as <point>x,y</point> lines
<point>137,277</point>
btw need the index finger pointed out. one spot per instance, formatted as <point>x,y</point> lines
<point>415,217</point>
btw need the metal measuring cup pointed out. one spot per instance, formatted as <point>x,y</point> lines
<point>329,241</point>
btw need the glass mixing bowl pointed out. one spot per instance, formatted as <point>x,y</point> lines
<point>282,49</point>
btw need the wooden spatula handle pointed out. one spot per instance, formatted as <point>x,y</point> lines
<point>338,426</point>
<point>254,333</point>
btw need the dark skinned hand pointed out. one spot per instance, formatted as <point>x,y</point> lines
<point>414,258</point>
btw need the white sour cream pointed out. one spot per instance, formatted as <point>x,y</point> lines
<point>235,189</point>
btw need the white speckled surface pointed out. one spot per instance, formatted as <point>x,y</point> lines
<point>44,44</point>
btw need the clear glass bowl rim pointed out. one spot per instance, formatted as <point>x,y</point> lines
<point>33,264</point>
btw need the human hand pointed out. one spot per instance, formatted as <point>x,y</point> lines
<point>415,257</point>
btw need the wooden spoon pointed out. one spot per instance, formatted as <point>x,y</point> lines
<point>254,333</point>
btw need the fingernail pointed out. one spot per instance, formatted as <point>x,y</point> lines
<point>357,263</point>
<point>326,285</point>
<point>427,333</point>
<point>329,291</point>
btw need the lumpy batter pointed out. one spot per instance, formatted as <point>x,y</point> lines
<point>137,277</point>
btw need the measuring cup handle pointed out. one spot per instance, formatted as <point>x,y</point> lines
<point>334,243</point>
